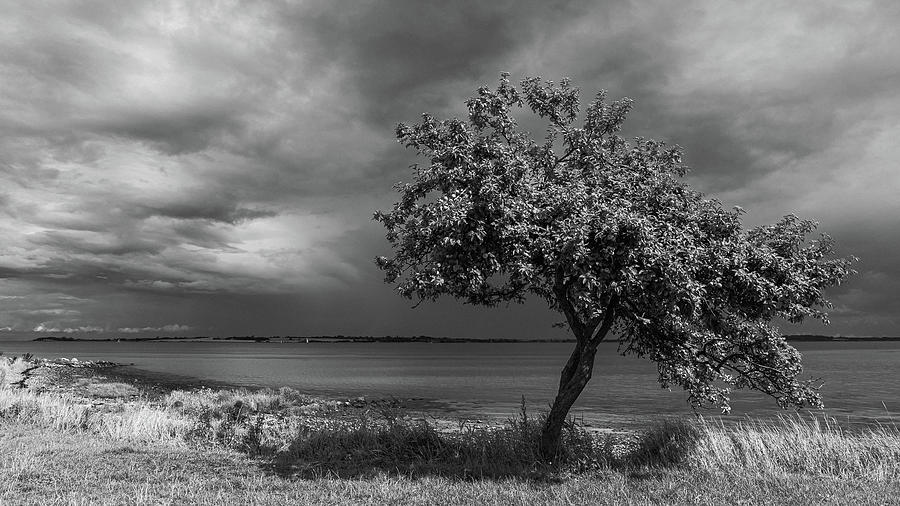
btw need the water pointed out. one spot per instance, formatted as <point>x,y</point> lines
<point>487,380</point>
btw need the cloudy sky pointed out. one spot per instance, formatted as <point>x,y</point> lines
<point>211,168</point>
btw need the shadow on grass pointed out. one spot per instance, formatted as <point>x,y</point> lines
<point>665,444</point>
<point>418,449</point>
<point>510,451</point>
<point>364,445</point>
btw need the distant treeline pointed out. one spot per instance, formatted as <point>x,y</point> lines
<point>397,339</point>
<point>320,339</point>
<point>813,337</point>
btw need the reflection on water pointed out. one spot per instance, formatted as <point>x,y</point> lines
<point>489,379</point>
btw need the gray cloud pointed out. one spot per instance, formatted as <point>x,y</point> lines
<point>75,242</point>
<point>405,55</point>
<point>216,165</point>
<point>172,132</point>
<point>216,210</point>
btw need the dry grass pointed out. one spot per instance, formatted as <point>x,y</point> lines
<point>265,400</point>
<point>42,466</point>
<point>798,446</point>
<point>61,413</point>
<point>112,390</point>
<point>11,370</point>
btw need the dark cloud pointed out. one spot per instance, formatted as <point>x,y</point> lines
<point>173,131</point>
<point>215,165</point>
<point>212,210</point>
<point>78,243</point>
<point>405,57</point>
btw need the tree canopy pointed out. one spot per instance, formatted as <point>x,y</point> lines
<point>607,233</point>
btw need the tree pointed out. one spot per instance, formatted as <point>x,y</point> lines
<point>605,232</point>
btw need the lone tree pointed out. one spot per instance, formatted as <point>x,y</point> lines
<point>604,231</point>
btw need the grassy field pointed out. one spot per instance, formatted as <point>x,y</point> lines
<point>85,438</point>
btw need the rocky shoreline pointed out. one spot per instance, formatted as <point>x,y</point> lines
<point>42,374</point>
<point>109,387</point>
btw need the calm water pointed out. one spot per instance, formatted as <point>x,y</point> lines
<point>488,380</point>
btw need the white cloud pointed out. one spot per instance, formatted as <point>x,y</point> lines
<point>173,327</point>
<point>47,327</point>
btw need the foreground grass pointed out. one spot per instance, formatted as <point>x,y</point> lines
<point>275,447</point>
<point>49,467</point>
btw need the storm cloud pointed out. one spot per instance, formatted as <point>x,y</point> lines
<point>211,168</point>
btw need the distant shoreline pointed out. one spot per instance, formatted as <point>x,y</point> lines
<point>311,339</point>
<point>393,339</point>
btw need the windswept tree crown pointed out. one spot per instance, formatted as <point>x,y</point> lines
<point>608,234</point>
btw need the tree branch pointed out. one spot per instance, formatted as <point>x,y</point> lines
<point>563,158</point>
<point>609,317</point>
<point>561,290</point>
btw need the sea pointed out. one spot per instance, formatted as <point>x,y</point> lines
<point>484,381</point>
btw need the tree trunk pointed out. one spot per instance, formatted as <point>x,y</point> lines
<point>573,379</point>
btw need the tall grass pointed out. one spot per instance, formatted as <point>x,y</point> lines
<point>785,446</point>
<point>51,411</point>
<point>11,370</point>
<point>797,445</point>
<point>144,423</point>
<point>61,413</point>
<point>265,400</point>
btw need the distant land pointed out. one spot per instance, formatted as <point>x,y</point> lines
<point>396,339</point>
<point>813,337</point>
<point>318,339</point>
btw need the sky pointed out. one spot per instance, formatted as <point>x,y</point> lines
<point>211,168</point>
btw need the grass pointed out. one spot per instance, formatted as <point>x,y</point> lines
<point>114,390</point>
<point>59,413</point>
<point>808,447</point>
<point>280,446</point>
<point>47,467</point>
<point>12,369</point>
<point>418,448</point>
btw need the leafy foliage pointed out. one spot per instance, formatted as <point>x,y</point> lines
<point>607,233</point>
